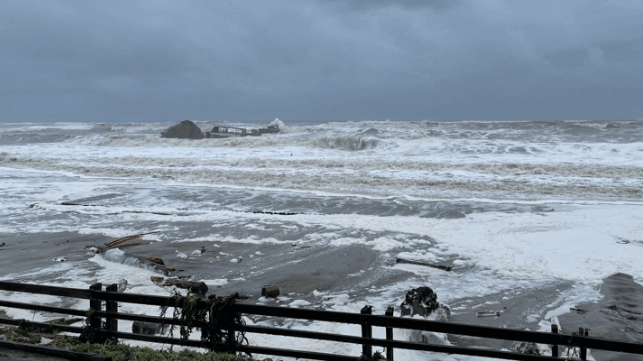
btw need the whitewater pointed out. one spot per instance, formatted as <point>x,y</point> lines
<point>518,209</point>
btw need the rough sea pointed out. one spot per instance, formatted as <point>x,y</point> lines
<point>534,217</point>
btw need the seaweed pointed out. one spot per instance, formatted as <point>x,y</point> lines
<point>217,321</point>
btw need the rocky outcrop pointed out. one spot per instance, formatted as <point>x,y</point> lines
<point>424,302</point>
<point>147,328</point>
<point>184,130</point>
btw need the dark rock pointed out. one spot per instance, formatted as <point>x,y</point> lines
<point>528,348</point>
<point>184,130</point>
<point>423,301</point>
<point>270,291</point>
<point>198,288</point>
<point>145,328</point>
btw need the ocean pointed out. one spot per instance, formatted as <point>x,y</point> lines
<point>532,216</point>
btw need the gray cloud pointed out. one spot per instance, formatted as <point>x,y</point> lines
<point>622,51</point>
<point>53,54</point>
<point>408,4</point>
<point>319,59</point>
<point>567,59</point>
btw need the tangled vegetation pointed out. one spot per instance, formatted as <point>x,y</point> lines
<point>217,320</point>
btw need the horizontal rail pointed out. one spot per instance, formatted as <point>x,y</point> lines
<point>45,290</point>
<point>395,344</point>
<point>144,318</point>
<point>64,328</point>
<point>52,309</point>
<point>316,315</point>
<point>442,327</point>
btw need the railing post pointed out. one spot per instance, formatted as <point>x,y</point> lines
<point>96,305</point>
<point>367,332</point>
<point>232,341</point>
<point>554,348</point>
<point>389,334</point>
<point>583,349</point>
<point>112,306</point>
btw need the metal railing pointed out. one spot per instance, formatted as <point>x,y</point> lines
<point>365,319</point>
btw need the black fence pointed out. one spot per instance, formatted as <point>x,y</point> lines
<point>367,321</point>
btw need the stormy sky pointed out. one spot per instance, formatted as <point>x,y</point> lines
<point>308,60</point>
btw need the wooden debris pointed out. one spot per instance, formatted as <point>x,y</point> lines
<point>156,260</point>
<point>125,239</point>
<point>488,314</point>
<point>66,321</point>
<point>420,263</point>
<point>194,287</point>
<point>275,213</point>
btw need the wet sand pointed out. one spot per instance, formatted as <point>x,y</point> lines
<point>617,316</point>
<point>299,270</point>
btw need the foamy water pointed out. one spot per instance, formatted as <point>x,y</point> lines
<point>511,205</point>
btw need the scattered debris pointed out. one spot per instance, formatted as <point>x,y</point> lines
<point>623,313</point>
<point>530,348</point>
<point>92,249</point>
<point>60,259</point>
<point>275,213</point>
<point>198,288</point>
<point>270,291</point>
<point>156,260</point>
<point>65,321</point>
<point>488,313</point>
<point>420,263</point>
<point>225,131</point>
<point>125,239</point>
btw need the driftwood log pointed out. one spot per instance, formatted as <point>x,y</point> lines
<point>421,263</point>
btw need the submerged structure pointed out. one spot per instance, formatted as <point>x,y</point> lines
<point>188,130</point>
<point>224,131</point>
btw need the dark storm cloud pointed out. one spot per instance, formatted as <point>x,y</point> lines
<point>319,60</point>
